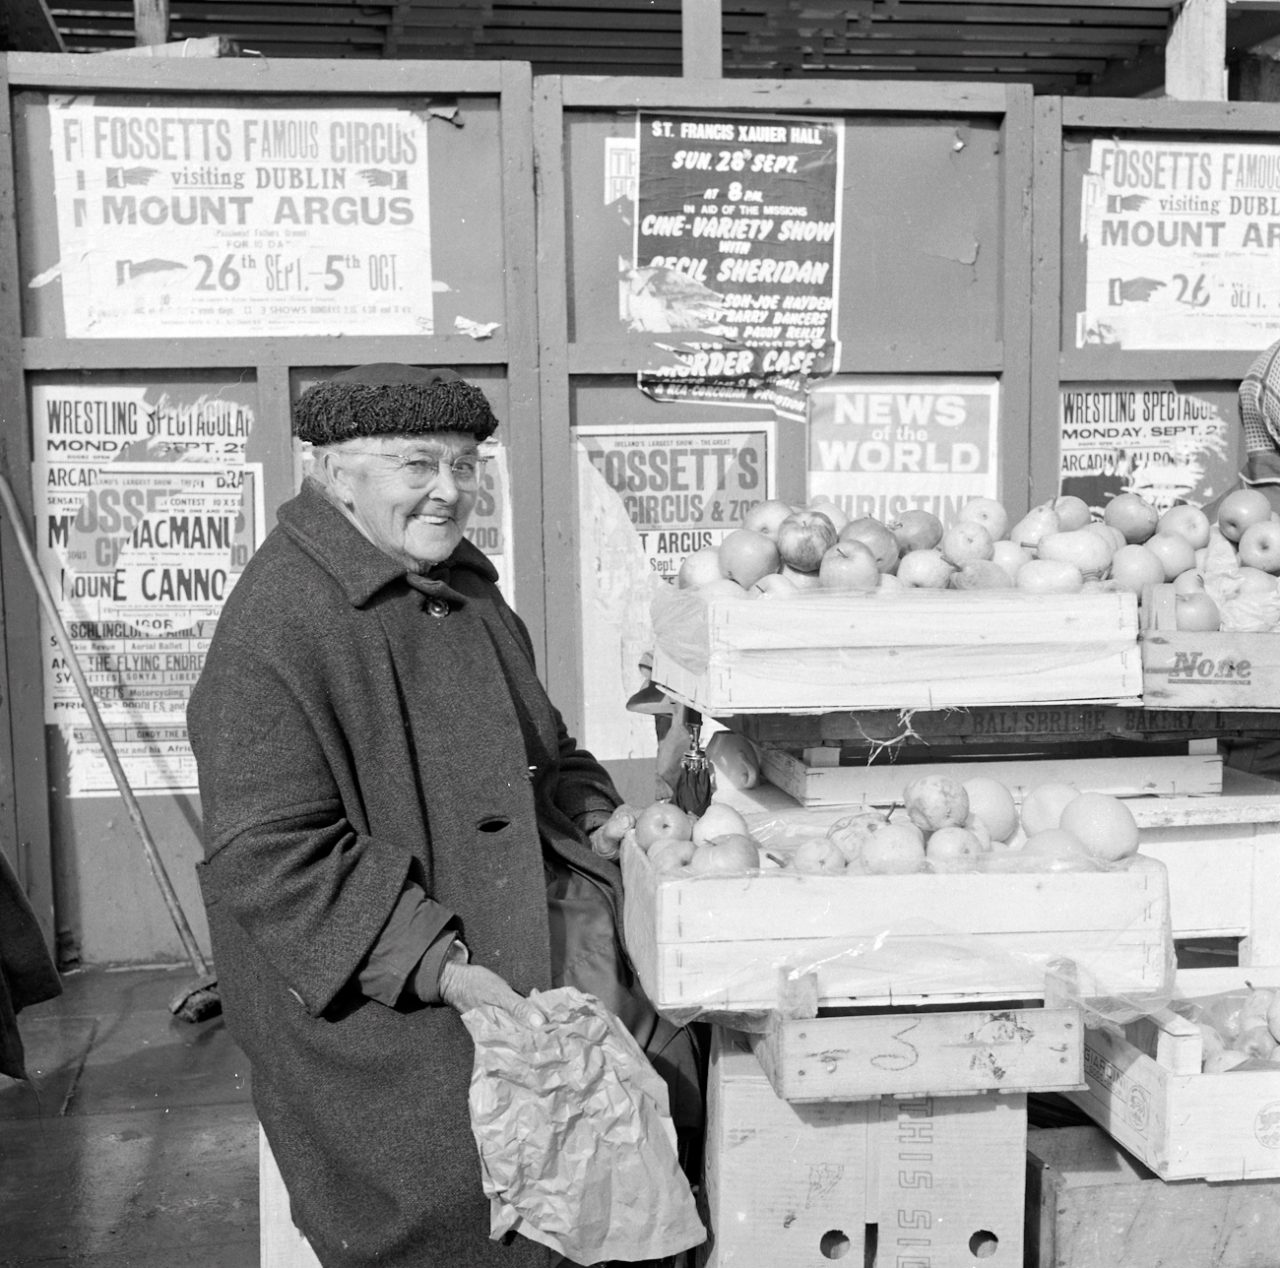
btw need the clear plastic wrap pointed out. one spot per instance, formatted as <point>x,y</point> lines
<point>743,949</point>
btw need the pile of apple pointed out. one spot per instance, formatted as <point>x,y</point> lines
<point>1237,1028</point>
<point>1056,548</point>
<point>943,825</point>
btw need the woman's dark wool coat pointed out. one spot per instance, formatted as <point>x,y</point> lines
<point>347,740</point>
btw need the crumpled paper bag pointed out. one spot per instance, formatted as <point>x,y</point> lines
<point>577,1147</point>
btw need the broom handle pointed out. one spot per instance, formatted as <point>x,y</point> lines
<point>189,943</point>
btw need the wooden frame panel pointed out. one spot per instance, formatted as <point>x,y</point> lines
<point>575,352</point>
<point>505,361</point>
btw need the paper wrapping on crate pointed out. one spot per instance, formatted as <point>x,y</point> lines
<point>680,627</point>
<point>577,1146</point>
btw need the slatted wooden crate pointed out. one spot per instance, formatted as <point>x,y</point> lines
<point>1146,1090</point>
<point>911,1180</point>
<point>1216,669</point>
<point>1091,1205</point>
<point>922,1052</point>
<point>815,783</point>
<point>908,649</point>
<point>719,942</point>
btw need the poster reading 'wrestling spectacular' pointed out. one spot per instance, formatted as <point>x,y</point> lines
<point>189,220</point>
<point>146,513</point>
<point>1182,245</point>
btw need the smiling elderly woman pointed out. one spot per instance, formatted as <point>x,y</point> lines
<point>397,828</point>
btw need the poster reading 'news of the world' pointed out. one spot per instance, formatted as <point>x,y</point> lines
<point>1182,245</point>
<point>146,513</point>
<point>189,220</point>
<point>737,255</point>
<point>879,447</point>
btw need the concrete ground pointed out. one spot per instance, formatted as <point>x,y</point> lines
<point>135,1144</point>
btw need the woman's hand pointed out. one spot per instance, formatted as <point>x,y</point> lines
<point>466,986</point>
<point>606,840</point>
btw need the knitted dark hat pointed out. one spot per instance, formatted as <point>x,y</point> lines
<point>390,399</point>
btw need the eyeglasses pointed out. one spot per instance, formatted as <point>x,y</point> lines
<point>424,470</point>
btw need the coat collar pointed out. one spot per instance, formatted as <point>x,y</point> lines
<point>359,567</point>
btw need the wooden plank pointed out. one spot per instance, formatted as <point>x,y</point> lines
<point>1089,1204</point>
<point>1195,55</point>
<point>1213,670</point>
<point>882,785</point>
<point>701,39</point>
<point>150,21</point>
<point>914,1052</point>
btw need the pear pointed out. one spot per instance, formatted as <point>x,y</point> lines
<point>1037,523</point>
<point>981,574</point>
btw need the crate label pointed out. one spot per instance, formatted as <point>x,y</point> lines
<point>1266,1126</point>
<point>1135,1099</point>
<point>1196,667</point>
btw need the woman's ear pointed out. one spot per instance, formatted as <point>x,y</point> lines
<point>337,475</point>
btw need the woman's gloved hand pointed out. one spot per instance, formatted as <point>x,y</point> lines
<point>465,986</point>
<point>606,840</point>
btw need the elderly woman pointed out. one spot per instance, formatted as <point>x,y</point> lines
<point>397,827</point>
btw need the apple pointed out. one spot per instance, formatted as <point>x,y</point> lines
<point>1049,576</point>
<point>890,582</point>
<point>662,819</point>
<point>1038,522</point>
<point>699,567</point>
<point>851,832</point>
<point>1133,515</point>
<point>987,512</point>
<point>1010,556</point>
<point>718,820</point>
<point>896,848</point>
<point>1108,533</point>
<point>1072,512</point>
<point>916,530</point>
<point>1043,805</point>
<point>1259,546</point>
<point>775,585</point>
<point>924,570</point>
<point>1134,568</point>
<point>1189,582</point>
<point>1177,554</point>
<point>991,804</point>
<point>765,516</point>
<point>981,574</point>
<point>1196,611</point>
<point>801,580</point>
<point>952,847</point>
<point>803,538</point>
<point>723,587</point>
<point>1187,521</point>
<point>734,759</point>
<point>876,537</point>
<point>733,852</point>
<point>746,556</point>
<point>849,565</point>
<point>818,856</point>
<point>670,854</point>
<point>1239,509</point>
<point>935,801</point>
<point>966,540</point>
<point>833,512</point>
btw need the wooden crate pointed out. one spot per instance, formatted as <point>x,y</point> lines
<point>925,1180</point>
<point>719,943</point>
<point>923,1052</point>
<point>1185,669</point>
<point>1199,840</point>
<point>1146,1090</point>
<point>1089,1205</point>
<point>907,649</point>
<point>819,784</point>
